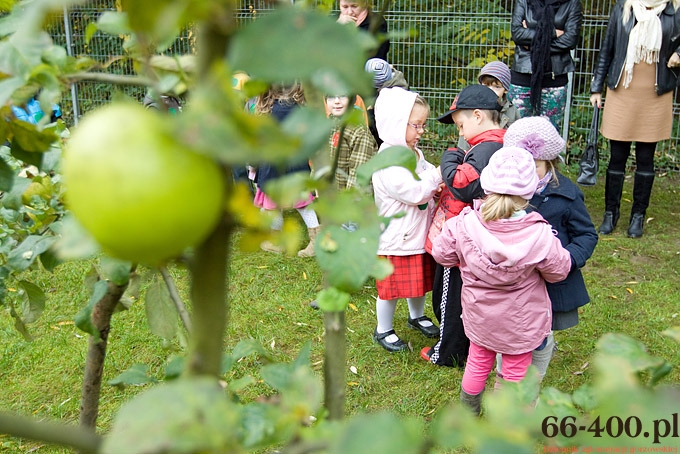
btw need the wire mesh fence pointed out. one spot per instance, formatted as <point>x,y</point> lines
<point>439,45</point>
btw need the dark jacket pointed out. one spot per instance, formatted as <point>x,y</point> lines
<point>568,17</point>
<point>613,50</point>
<point>375,24</point>
<point>564,208</point>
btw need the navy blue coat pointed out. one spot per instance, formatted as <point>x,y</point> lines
<point>563,206</point>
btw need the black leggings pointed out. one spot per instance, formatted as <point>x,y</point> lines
<point>644,156</point>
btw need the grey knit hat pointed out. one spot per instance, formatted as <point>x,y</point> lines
<point>497,69</point>
<point>382,71</point>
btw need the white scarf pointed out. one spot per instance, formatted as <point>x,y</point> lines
<point>644,41</point>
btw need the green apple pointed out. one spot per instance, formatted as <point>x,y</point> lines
<point>142,195</point>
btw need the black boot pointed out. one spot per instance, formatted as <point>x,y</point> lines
<point>642,190</point>
<point>613,188</point>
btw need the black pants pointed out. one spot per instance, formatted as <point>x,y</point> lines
<point>452,348</point>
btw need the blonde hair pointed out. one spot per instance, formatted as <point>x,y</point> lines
<point>502,206</point>
<point>291,94</point>
<point>420,101</point>
<point>628,9</point>
<point>553,166</point>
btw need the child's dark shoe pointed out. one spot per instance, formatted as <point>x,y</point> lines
<point>397,346</point>
<point>427,329</point>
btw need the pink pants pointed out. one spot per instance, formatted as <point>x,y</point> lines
<point>480,362</point>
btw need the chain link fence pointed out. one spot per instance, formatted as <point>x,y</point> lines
<point>439,45</point>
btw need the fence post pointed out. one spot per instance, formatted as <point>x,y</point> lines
<point>69,51</point>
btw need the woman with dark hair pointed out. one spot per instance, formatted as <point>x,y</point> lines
<point>639,63</point>
<point>544,32</point>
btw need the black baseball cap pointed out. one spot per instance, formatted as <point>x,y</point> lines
<point>472,97</point>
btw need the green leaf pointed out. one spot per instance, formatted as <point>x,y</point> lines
<point>33,301</point>
<point>74,242</point>
<point>138,374</point>
<point>360,435</point>
<point>174,367</point>
<point>49,260</point>
<point>392,156</point>
<point>333,57</point>
<point>190,415</point>
<point>19,324</point>
<point>248,347</point>
<point>333,300</point>
<point>9,85</point>
<point>289,189</point>
<point>625,347</point>
<point>115,270</point>
<point>6,176</point>
<point>83,319</point>
<point>27,139</point>
<point>12,199</point>
<point>113,23</point>
<point>348,258</point>
<point>585,397</point>
<point>673,333</point>
<point>25,254</point>
<point>241,383</point>
<point>160,310</point>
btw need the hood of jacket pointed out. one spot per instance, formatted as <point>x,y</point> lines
<point>392,111</point>
<point>504,249</point>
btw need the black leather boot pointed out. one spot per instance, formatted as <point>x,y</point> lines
<point>612,201</point>
<point>642,190</point>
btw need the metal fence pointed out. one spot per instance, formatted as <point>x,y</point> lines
<point>439,45</point>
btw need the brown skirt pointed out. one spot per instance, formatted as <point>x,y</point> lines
<point>637,113</point>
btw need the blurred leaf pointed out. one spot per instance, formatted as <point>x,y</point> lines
<point>332,300</point>
<point>673,333</point>
<point>174,367</point>
<point>240,383</point>
<point>83,318</point>
<point>360,435</point>
<point>6,176</point>
<point>13,198</point>
<point>191,415</point>
<point>623,346</point>
<point>25,254</point>
<point>585,397</point>
<point>289,189</point>
<point>74,242</point>
<point>9,85</point>
<point>113,23</point>
<point>393,156</point>
<point>348,259</point>
<point>115,270</point>
<point>160,310</point>
<point>19,324</point>
<point>332,56</point>
<point>138,374</point>
<point>33,301</point>
<point>248,347</point>
<point>27,139</point>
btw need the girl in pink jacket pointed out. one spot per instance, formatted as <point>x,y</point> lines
<point>505,256</point>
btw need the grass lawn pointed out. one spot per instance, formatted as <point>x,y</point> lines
<point>633,283</point>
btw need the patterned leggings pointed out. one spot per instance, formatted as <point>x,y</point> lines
<point>553,103</point>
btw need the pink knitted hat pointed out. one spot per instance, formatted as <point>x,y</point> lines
<point>511,171</point>
<point>537,135</point>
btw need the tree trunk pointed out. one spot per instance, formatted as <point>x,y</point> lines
<point>335,361</point>
<point>96,354</point>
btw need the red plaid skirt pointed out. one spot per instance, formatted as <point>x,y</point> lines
<point>412,277</point>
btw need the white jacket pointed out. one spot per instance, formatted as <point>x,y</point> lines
<point>396,190</point>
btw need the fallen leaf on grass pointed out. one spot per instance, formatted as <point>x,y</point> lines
<point>629,290</point>
<point>583,368</point>
<point>613,297</point>
<point>304,275</point>
<point>353,307</point>
<point>353,369</point>
<point>352,383</point>
<point>273,344</point>
<point>632,283</point>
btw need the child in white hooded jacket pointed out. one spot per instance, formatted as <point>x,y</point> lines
<point>400,120</point>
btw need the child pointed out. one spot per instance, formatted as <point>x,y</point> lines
<point>384,76</point>
<point>400,118</point>
<point>496,76</point>
<point>356,147</point>
<point>279,101</point>
<point>476,112</point>
<point>505,256</point>
<point>561,203</point>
